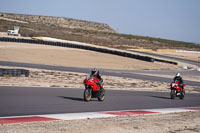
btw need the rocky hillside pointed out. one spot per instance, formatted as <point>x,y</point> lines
<point>84,31</point>
<point>59,22</point>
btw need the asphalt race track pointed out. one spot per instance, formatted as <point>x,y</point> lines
<point>19,101</point>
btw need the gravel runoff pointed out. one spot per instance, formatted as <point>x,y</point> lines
<point>50,78</point>
<point>186,122</point>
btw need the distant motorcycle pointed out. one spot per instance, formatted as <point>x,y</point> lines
<point>92,89</point>
<point>176,90</point>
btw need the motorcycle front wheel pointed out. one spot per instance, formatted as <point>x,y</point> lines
<point>101,96</point>
<point>172,94</point>
<point>87,95</point>
<point>182,94</point>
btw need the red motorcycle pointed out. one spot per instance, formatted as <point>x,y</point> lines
<point>92,89</point>
<point>176,90</point>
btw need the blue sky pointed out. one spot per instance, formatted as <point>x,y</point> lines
<point>168,19</point>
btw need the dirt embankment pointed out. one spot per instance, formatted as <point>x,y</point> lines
<point>83,31</point>
<point>58,22</point>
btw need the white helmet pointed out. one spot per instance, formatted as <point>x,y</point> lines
<point>94,71</point>
<point>178,75</point>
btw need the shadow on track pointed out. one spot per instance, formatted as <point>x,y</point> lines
<point>72,98</point>
<point>160,97</point>
<point>75,98</point>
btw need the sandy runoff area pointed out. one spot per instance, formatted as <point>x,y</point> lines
<point>52,55</point>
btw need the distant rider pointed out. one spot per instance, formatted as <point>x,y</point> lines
<point>180,79</point>
<point>95,73</point>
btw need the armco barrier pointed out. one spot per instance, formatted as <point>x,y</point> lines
<point>102,50</point>
<point>14,72</point>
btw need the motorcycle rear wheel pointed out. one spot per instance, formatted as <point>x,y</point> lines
<point>87,95</point>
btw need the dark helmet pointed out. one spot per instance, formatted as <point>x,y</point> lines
<point>94,71</point>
